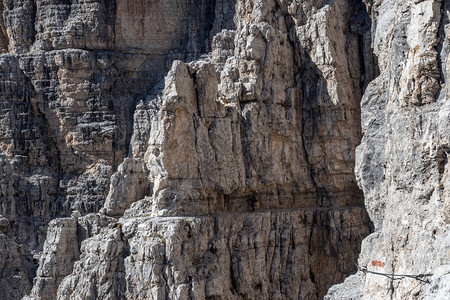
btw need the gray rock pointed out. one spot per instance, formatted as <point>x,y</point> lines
<point>206,149</point>
<point>402,162</point>
<point>185,109</point>
<point>230,256</point>
<point>350,289</point>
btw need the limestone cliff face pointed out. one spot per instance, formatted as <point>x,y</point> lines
<point>402,162</point>
<point>69,81</point>
<point>213,141</point>
<point>206,149</point>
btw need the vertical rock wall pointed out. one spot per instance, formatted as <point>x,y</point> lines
<point>69,85</point>
<point>402,162</point>
<point>188,149</point>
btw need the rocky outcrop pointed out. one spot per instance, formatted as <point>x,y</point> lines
<point>68,89</point>
<point>239,178</point>
<point>206,149</point>
<point>60,252</point>
<point>271,254</point>
<point>248,119</point>
<point>402,162</point>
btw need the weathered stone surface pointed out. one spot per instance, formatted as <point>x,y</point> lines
<point>60,252</point>
<point>226,134</point>
<point>128,185</point>
<point>68,89</point>
<point>402,162</point>
<point>350,289</point>
<point>209,148</point>
<point>258,117</point>
<point>265,255</point>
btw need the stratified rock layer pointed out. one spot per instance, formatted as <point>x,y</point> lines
<point>188,149</point>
